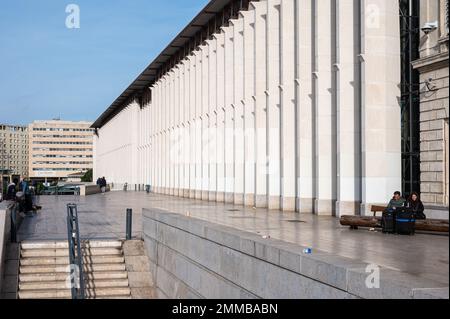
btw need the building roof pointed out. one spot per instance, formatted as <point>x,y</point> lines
<point>216,11</point>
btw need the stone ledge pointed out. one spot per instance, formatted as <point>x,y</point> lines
<point>336,271</point>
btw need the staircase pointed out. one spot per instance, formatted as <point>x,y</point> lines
<point>44,269</point>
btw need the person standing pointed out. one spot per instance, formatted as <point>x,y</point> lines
<point>416,206</point>
<point>11,191</point>
<point>103,185</point>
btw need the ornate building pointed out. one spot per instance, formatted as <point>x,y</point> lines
<point>433,67</point>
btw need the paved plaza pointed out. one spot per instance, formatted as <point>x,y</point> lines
<point>103,216</point>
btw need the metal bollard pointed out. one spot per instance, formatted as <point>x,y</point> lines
<point>129,223</point>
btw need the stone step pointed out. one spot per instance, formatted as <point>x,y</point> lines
<point>62,276</point>
<point>65,245</point>
<point>29,253</point>
<point>58,285</point>
<point>33,269</point>
<point>44,261</point>
<point>90,293</point>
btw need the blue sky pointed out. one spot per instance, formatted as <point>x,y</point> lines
<point>48,70</point>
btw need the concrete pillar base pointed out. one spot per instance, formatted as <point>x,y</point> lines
<point>249,200</point>
<point>205,195</point>
<point>274,202</point>
<point>220,197</point>
<point>288,204</point>
<point>306,205</point>
<point>347,208</point>
<point>239,199</point>
<point>261,201</point>
<point>365,208</point>
<point>185,193</point>
<point>192,193</point>
<point>212,196</point>
<point>229,198</point>
<point>324,207</point>
<point>198,194</point>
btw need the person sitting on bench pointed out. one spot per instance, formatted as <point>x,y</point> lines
<point>415,205</point>
<point>396,202</point>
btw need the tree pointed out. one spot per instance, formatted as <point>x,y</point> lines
<point>87,178</point>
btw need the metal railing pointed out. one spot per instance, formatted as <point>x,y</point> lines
<point>75,253</point>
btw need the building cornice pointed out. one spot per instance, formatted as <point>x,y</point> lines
<point>434,61</point>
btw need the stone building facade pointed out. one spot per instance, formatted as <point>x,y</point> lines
<point>433,67</point>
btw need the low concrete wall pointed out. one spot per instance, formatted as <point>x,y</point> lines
<point>437,212</point>
<point>191,258</point>
<point>5,226</point>
<point>86,190</point>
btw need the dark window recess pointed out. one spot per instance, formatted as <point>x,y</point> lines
<point>410,95</point>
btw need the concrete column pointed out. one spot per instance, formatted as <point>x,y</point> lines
<point>176,126</point>
<point>183,130</point>
<point>169,132</point>
<point>212,111</point>
<point>159,168</point>
<point>260,11</point>
<point>325,116</point>
<point>220,88</point>
<point>288,142</point>
<point>192,176</point>
<point>273,102</point>
<point>229,114</point>
<point>143,136</point>
<point>249,106</point>
<point>198,125</point>
<point>204,121</point>
<point>237,26</point>
<point>150,138</point>
<point>304,120</point>
<point>185,143</point>
<point>153,114</point>
<point>381,138</point>
<point>164,162</point>
<point>162,134</point>
<point>348,107</point>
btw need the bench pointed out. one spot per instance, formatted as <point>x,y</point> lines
<point>376,209</point>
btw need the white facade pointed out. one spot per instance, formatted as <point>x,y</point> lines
<point>292,106</point>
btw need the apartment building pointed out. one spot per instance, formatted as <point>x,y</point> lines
<point>13,152</point>
<point>59,149</point>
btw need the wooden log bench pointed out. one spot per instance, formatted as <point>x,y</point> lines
<point>432,225</point>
